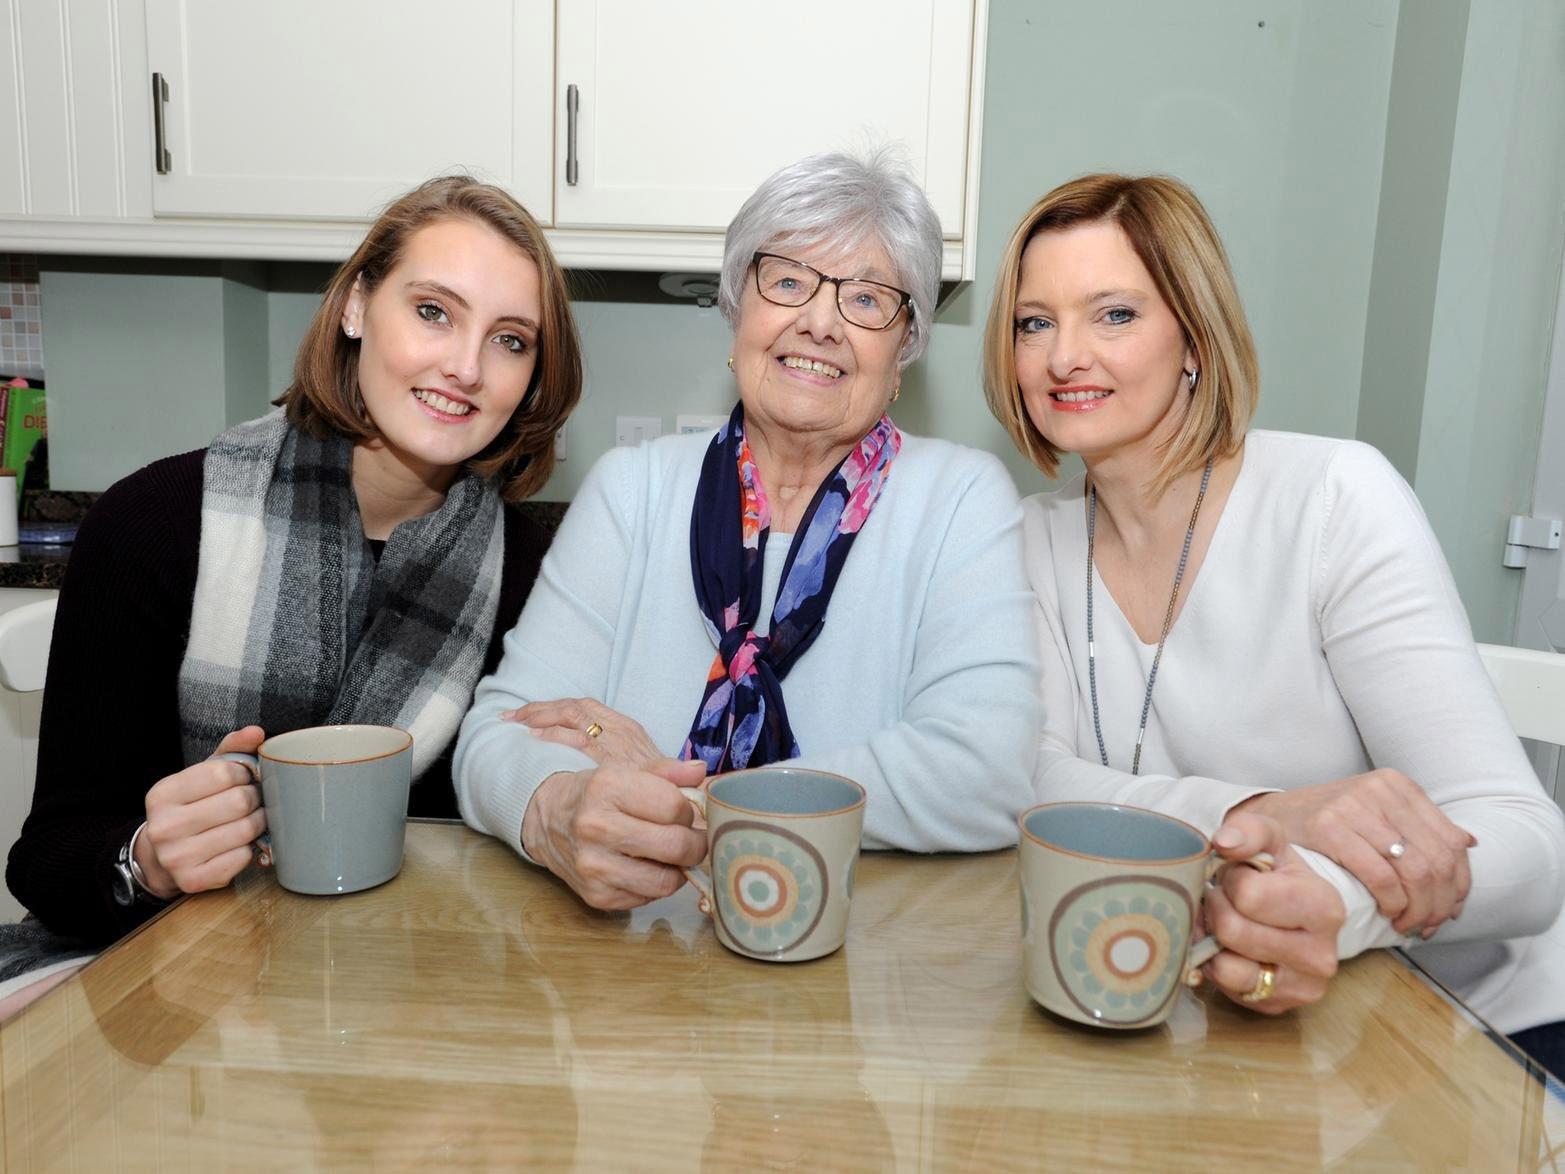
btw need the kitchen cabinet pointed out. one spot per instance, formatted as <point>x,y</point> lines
<point>284,127</point>
<point>64,129</point>
<point>298,109</point>
<point>678,136</point>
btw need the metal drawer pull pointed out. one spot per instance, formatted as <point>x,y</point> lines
<point>572,101</point>
<point>160,156</point>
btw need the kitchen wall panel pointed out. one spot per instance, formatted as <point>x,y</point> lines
<point>136,366</point>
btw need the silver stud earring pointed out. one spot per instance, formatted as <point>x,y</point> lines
<point>350,331</point>
<point>1192,376</point>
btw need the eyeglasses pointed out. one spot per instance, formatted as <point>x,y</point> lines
<point>785,282</point>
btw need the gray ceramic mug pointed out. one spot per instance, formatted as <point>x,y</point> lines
<point>336,802</point>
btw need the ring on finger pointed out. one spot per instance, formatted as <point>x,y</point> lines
<point>1397,849</point>
<point>1265,986</point>
<point>594,730</point>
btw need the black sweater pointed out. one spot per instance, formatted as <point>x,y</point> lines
<point>110,725</point>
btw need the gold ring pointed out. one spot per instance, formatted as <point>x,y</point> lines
<point>1265,986</point>
<point>594,730</point>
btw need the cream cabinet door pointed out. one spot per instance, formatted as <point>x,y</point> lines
<point>326,110</point>
<point>62,123</point>
<point>683,106</point>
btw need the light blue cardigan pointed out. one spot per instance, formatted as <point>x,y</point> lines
<point>923,685</point>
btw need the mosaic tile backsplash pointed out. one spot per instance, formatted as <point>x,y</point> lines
<point>21,321</point>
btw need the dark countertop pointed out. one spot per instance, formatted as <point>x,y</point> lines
<point>44,566</point>
<point>33,566</point>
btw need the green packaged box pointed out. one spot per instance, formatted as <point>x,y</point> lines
<point>26,422</point>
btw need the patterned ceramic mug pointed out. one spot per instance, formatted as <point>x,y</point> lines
<point>1109,900</point>
<point>783,845</point>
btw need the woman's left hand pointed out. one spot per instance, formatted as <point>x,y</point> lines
<point>1286,919</point>
<point>618,741</point>
<point>1383,828</point>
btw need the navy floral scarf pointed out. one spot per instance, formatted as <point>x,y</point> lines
<point>742,720</point>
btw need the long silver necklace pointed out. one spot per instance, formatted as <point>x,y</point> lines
<point>1168,620</point>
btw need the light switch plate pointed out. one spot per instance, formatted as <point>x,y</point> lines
<point>630,431</point>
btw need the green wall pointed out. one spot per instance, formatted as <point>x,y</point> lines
<point>1426,81</point>
<point>1495,297</point>
<point>1387,177</point>
<point>1274,114</point>
<point>134,360</point>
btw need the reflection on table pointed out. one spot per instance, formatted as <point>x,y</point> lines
<point>473,1011</point>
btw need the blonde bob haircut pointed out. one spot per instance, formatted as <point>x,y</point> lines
<point>324,395</point>
<point>1172,234</point>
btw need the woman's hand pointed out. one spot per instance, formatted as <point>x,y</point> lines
<point>1286,919</point>
<point>620,740</point>
<point>618,835</point>
<point>202,822</point>
<point>1355,821</point>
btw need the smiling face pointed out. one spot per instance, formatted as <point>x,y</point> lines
<point>804,372</point>
<point>448,344</point>
<point>1100,357</point>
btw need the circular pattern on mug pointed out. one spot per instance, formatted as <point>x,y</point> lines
<point>770,886</point>
<point>1117,946</point>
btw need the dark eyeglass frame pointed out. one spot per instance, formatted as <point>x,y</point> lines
<point>906,302</point>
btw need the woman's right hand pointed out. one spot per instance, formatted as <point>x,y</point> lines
<point>202,822</point>
<point>619,836</point>
<point>1284,920</point>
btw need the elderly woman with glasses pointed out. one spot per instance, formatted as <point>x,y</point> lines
<point>808,584</point>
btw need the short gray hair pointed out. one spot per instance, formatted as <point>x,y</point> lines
<point>842,200</point>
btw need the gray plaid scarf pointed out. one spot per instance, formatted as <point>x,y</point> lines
<point>295,624</point>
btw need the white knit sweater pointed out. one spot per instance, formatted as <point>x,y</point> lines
<point>1321,638</point>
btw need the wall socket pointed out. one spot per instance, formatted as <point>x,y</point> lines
<point>698,423</point>
<point>630,431</point>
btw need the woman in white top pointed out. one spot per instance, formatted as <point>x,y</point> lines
<point>1257,621</point>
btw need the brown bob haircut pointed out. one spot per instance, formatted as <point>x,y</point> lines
<point>324,395</point>
<point>1172,234</point>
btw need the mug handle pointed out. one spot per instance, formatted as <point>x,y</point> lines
<point>699,880</point>
<point>250,762</point>
<point>1207,948</point>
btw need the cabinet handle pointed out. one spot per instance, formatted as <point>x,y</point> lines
<point>572,101</point>
<point>161,159</point>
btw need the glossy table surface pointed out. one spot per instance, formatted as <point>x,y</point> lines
<point>473,1012</point>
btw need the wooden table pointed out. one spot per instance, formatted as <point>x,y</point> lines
<point>472,1011</point>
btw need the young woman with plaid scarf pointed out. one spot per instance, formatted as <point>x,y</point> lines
<point>353,556</point>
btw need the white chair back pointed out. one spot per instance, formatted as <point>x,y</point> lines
<point>24,646</point>
<point>1531,685</point>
